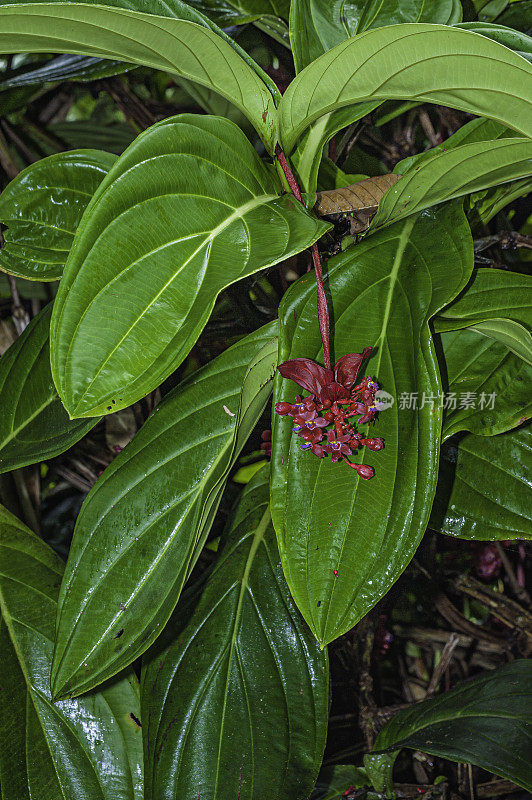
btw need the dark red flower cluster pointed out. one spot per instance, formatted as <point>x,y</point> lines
<point>329,391</point>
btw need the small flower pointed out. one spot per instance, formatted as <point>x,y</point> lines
<point>337,446</point>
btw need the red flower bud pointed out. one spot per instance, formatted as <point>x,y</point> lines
<point>283,408</point>
<point>373,444</point>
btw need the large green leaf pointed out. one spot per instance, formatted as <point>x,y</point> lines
<point>454,173</point>
<point>84,749</point>
<point>345,541</point>
<point>491,294</point>
<point>486,721</point>
<point>34,425</point>
<point>187,210</point>
<point>41,208</point>
<point>236,705</point>
<point>180,41</point>
<point>483,487</point>
<point>487,386</point>
<point>412,62</point>
<point>142,526</point>
<point>318,25</point>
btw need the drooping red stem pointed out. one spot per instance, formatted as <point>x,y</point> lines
<point>323,310</point>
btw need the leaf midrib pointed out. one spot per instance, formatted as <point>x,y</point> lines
<point>257,539</point>
<point>238,213</point>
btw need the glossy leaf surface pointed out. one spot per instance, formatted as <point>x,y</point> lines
<point>454,173</point>
<point>34,425</point>
<point>345,541</point>
<point>143,524</point>
<point>41,209</point>
<point>236,705</point>
<point>64,68</point>
<point>318,25</point>
<point>486,721</point>
<point>84,749</point>
<point>402,61</point>
<point>514,40</point>
<point>491,294</point>
<point>484,487</point>
<point>183,43</point>
<point>487,386</point>
<point>187,210</point>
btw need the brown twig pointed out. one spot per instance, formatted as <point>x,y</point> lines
<point>443,663</point>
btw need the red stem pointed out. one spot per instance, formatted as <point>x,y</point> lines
<point>323,310</point>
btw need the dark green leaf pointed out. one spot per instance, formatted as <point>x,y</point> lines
<point>236,705</point>
<point>142,526</point>
<point>334,782</point>
<point>487,386</point>
<point>180,41</point>
<point>318,25</point>
<point>486,721</point>
<point>187,210</point>
<point>114,137</point>
<point>41,209</point>
<point>84,749</point>
<point>64,68</point>
<point>329,521</point>
<point>355,71</point>
<point>484,488</point>
<point>34,425</point>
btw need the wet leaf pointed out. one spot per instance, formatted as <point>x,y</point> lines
<point>143,525</point>
<point>344,541</point>
<point>41,210</point>
<point>485,721</point>
<point>236,704</point>
<point>483,488</point>
<point>89,748</point>
<point>34,425</point>
<point>186,211</point>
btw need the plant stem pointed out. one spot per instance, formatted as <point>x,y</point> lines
<point>323,310</point>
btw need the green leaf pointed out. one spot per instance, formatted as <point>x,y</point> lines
<point>89,748</point>
<point>308,154</point>
<point>486,386</point>
<point>239,12</point>
<point>515,40</point>
<point>454,173</point>
<point>485,722</point>
<point>221,720</point>
<point>415,66</point>
<point>63,68</point>
<point>183,43</point>
<point>329,521</point>
<point>483,490</point>
<point>318,25</point>
<point>490,294</point>
<point>142,526</point>
<point>187,210</point>
<point>41,209</point>
<point>510,333</point>
<point>34,425</point>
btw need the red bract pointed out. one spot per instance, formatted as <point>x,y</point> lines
<point>329,390</point>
